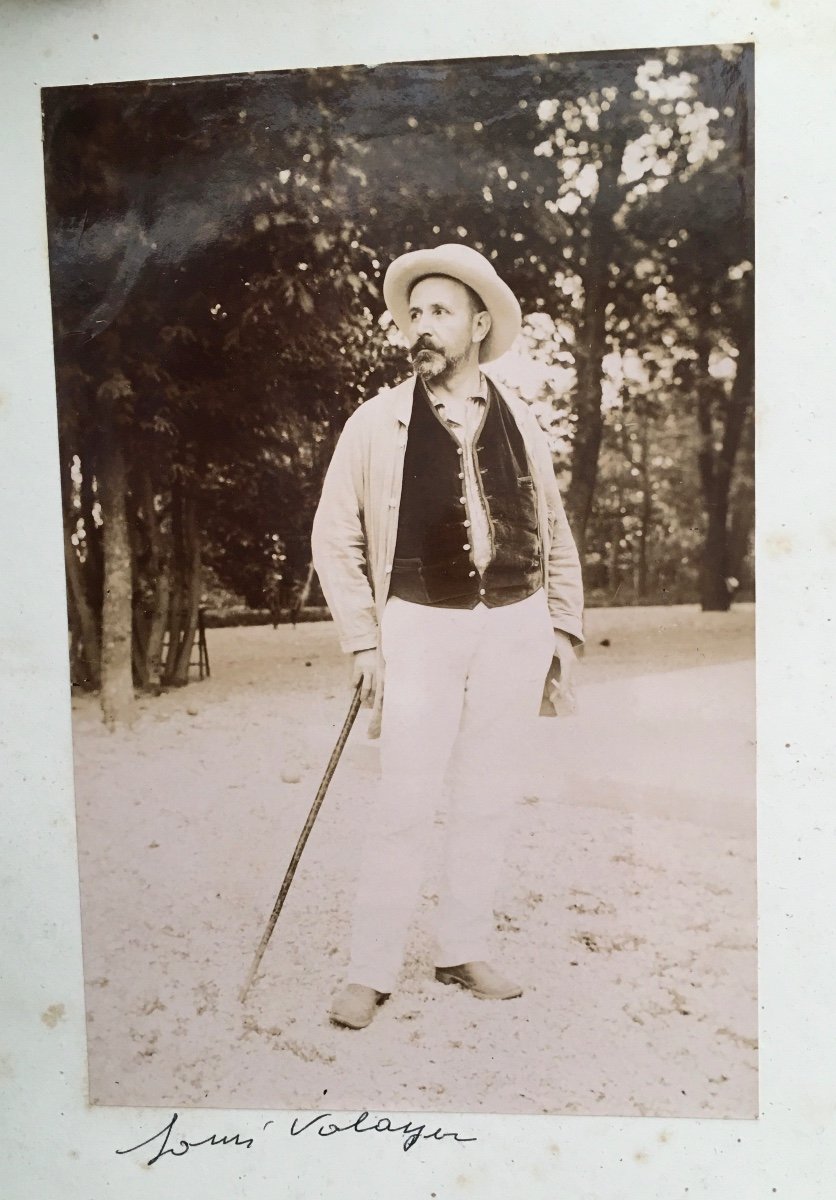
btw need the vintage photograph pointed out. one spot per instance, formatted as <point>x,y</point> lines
<point>406,418</point>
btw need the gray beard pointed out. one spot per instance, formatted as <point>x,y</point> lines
<point>433,365</point>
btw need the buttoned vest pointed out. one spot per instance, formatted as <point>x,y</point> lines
<point>433,563</point>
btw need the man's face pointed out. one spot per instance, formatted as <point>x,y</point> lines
<point>445,328</point>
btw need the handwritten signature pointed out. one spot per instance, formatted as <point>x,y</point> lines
<point>165,1133</point>
<point>411,1133</point>
<point>164,1142</point>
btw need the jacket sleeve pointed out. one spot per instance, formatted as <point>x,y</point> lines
<point>338,544</point>
<point>565,583</point>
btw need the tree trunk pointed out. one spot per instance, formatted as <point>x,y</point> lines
<point>156,634</point>
<point>176,590</point>
<point>592,345</point>
<point>185,587</point>
<point>714,591</point>
<point>191,572</point>
<point>139,644</point>
<point>586,445</point>
<point>614,568</point>
<point>158,582</point>
<point>117,693</point>
<point>716,567</point>
<point>717,466</point>
<point>175,625</point>
<point>642,572</point>
<point>139,633</point>
<point>741,524</point>
<point>302,595</point>
<point>93,575</point>
<point>82,620</point>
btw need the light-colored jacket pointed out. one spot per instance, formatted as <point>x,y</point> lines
<point>356,524</point>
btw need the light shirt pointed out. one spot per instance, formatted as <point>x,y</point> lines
<point>463,417</point>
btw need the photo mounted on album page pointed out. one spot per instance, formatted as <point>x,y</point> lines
<point>406,426</point>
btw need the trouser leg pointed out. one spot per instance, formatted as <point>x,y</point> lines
<point>505,681</point>
<point>426,652</point>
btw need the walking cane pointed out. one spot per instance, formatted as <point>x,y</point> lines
<point>354,708</point>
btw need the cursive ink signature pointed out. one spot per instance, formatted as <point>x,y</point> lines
<point>213,1139</point>
<point>164,1142</point>
<point>411,1133</point>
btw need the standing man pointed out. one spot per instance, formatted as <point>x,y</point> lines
<point>447,562</point>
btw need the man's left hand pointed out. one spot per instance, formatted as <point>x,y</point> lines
<point>564,652</point>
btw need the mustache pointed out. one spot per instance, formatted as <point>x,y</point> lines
<point>424,343</point>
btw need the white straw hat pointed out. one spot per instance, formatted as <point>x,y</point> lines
<point>468,266</point>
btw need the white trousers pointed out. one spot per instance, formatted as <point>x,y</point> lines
<point>462,688</point>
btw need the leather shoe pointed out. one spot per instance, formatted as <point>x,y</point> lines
<point>355,1006</point>
<point>481,979</point>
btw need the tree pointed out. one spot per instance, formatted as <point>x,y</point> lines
<point>217,248</point>
<point>172,398</point>
<point>709,271</point>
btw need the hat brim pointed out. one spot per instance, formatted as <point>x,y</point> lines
<point>469,267</point>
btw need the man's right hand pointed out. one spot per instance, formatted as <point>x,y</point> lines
<point>365,672</point>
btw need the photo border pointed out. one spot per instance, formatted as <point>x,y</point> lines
<point>62,1147</point>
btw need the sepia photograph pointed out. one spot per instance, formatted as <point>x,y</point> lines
<point>407,432</point>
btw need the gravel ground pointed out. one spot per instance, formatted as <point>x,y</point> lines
<point>627,909</point>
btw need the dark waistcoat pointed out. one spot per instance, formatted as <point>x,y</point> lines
<point>433,563</point>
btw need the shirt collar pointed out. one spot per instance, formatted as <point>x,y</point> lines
<point>403,392</point>
<point>480,396</point>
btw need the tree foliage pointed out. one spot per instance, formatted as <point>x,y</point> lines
<point>217,248</point>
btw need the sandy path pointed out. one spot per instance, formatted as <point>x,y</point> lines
<point>628,907</point>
